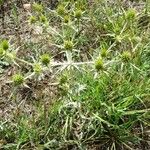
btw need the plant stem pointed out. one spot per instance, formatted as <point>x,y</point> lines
<point>23,61</point>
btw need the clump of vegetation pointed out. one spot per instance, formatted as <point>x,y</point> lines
<point>17,79</point>
<point>76,77</point>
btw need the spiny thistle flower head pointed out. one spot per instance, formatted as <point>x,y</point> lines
<point>37,7</point>
<point>78,13</point>
<point>43,19</point>
<point>18,79</point>
<point>61,10</point>
<point>118,38</point>
<point>66,19</point>
<point>68,45</point>
<point>126,56</point>
<point>45,59</point>
<point>37,68</point>
<point>131,14</point>
<point>32,19</point>
<point>5,45</point>
<point>99,65</point>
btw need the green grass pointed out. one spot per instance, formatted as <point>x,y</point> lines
<point>78,79</point>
